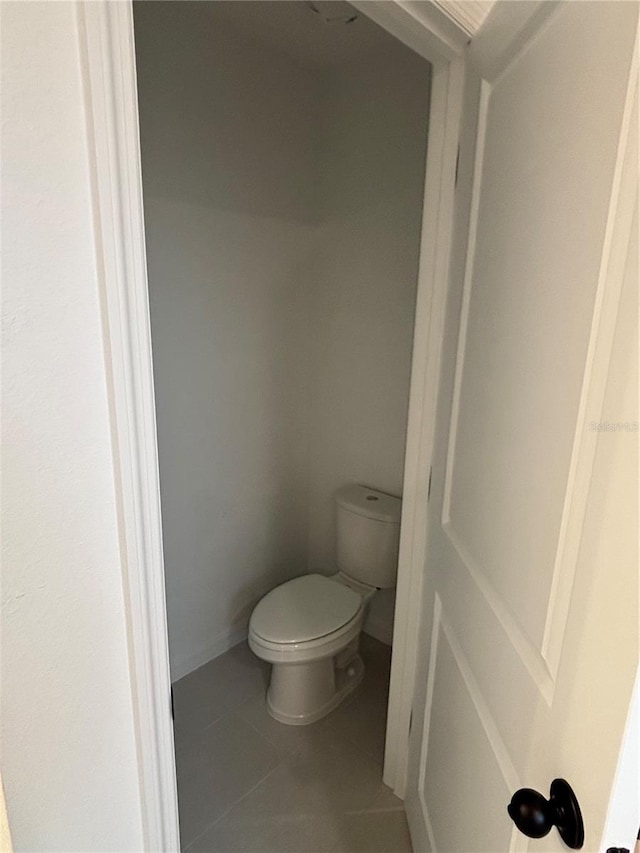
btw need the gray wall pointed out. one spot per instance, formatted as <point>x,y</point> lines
<point>373,132</point>
<point>282,214</point>
<point>227,151</point>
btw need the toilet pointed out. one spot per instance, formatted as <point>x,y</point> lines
<point>309,628</point>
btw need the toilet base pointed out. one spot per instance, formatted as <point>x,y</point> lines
<point>300,694</point>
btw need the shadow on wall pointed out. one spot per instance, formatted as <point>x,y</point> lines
<point>226,121</point>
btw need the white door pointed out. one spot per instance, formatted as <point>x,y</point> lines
<point>528,641</point>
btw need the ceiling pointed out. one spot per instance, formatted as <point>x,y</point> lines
<point>294,28</point>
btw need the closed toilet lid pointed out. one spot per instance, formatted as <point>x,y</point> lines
<point>305,608</point>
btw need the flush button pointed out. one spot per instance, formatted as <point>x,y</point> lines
<point>372,498</point>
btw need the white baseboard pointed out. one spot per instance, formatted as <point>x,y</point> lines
<point>222,643</point>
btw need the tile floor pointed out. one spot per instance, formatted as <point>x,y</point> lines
<point>248,784</point>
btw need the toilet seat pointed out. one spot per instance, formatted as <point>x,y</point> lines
<point>304,610</point>
<point>324,611</point>
<point>311,650</point>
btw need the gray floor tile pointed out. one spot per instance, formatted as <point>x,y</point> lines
<point>374,832</point>
<point>362,720</point>
<point>266,834</point>
<point>218,687</point>
<point>290,741</point>
<point>248,784</point>
<point>216,770</point>
<point>337,779</point>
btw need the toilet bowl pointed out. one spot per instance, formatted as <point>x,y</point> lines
<point>308,628</point>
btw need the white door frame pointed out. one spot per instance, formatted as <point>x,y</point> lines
<point>105,32</point>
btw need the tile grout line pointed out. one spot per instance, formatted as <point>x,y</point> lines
<point>294,756</point>
<point>231,807</point>
<point>233,710</point>
<point>277,748</point>
<point>282,756</point>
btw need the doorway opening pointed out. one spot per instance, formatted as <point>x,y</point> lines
<point>283,155</point>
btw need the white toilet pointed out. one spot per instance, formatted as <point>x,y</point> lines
<point>309,627</point>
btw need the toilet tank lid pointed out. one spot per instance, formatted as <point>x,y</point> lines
<point>370,503</point>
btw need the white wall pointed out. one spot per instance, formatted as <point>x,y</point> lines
<point>373,150</point>
<point>68,754</point>
<point>228,143</point>
<point>282,211</point>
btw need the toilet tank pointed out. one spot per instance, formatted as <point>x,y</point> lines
<point>368,535</point>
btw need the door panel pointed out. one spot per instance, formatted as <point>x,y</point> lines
<point>525,358</point>
<point>464,753</point>
<point>543,203</point>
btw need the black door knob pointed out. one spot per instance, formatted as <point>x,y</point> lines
<point>535,816</point>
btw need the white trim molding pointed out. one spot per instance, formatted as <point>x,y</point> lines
<point>447,96</point>
<point>105,31</point>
